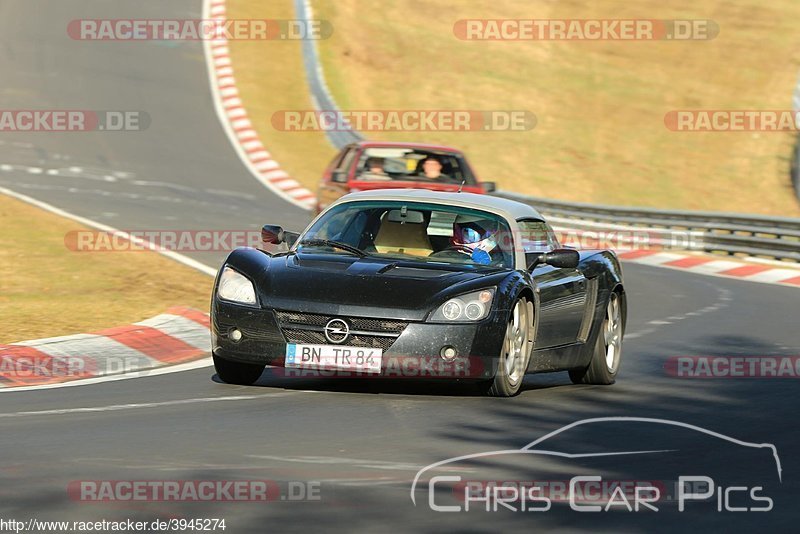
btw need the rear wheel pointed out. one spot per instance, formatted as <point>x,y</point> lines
<point>244,374</point>
<point>515,353</point>
<point>607,355</point>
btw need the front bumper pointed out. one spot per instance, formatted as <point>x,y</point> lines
<point>414,354</point>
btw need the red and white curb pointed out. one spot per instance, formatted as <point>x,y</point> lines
<point>710,265</point>
<point>233,116</point>
<point>659,253</point>
<point>178,336</point>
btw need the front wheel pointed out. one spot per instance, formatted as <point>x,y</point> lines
<point>607,355</point>
<point>243,374</point>
<point>515,353</point>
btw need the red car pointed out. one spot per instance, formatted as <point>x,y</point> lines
<point>382,165</point>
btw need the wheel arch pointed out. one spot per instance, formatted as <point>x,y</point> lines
<point>620,289</point>
<point>533,300</point>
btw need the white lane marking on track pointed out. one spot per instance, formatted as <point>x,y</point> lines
<point>357,462</point>
<point>234,194</point>
<point>722,302</point>
<point>337,460</point>
<point>120,407</point>
<point>120,194</point>
<point>185,260</point>
<point>641,333</point>
<point>188,366</point>
<point>383,481</point>
<point>168,185</point>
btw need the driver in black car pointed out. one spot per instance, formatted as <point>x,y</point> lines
<point>474,239</point>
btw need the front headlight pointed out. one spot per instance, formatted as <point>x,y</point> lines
<point>468,307</point>
<point>235,287</point>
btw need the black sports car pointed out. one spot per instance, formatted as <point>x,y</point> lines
<point>424,284</point>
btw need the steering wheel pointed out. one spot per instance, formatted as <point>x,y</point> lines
<point>459,248</point>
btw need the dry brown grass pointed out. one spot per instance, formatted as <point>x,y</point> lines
<point>47,290</point>
<point>600,137</point>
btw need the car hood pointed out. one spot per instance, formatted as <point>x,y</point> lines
<point>342,285</point>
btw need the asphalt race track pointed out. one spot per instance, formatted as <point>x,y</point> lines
<point>361,442</point>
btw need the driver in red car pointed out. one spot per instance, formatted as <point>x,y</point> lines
<point>374,169</point>
<point>432,169</point>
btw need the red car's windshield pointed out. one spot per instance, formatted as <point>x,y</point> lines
<point>412,164</point>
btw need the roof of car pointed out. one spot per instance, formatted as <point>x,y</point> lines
<point>510,209</point>
<point>400,144</point>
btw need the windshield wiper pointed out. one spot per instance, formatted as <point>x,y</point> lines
<point>334,244</point>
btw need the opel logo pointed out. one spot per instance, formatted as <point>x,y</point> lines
<point>337,331</point>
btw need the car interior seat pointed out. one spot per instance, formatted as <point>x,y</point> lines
<point>403,234</point>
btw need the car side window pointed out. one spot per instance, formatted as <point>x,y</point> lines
<point>337,159</point>
<point>537,236</point>
<point>347,161</point>
<point>341,165</point>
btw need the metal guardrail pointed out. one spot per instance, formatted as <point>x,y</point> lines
<point>322,98</point>
<point>728,233</point>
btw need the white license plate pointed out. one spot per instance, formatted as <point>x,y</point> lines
<point>334,357</point>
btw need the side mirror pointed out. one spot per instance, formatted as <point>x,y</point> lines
<point>340,177</point>
<point>489,187</point>
<point>563,258</point>
<point>272,234</point>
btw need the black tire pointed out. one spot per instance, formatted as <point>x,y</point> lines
<point>604,367</point>
<point>517,345</point>
<point>243,374</point>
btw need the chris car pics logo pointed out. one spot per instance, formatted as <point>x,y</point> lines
<point>452,485</point>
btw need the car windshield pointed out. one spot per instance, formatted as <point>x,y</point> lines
<point>412,164</point>
<point>413,231</point>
